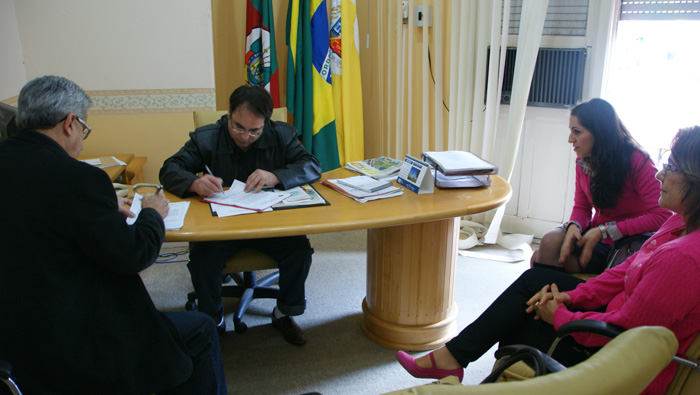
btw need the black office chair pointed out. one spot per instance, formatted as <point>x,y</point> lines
<point>242,267</point>
<point>622,249</point>
<point>8,126</point>
<point>6,377</point>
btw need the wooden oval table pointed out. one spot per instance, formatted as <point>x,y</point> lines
<point>412,245</point>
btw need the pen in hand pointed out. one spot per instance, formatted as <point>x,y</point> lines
<point>160,188</point>
<point>212,174</point>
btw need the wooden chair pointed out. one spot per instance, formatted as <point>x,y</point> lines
<point>242,266</point>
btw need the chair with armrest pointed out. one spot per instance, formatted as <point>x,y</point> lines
<point>687,377</point>
<point>686,381</point>
<point>626,365</point>
<point>242,266</point>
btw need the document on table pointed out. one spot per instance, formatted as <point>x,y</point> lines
<point>104,162</point>
<point>176,216</point>
<point>237,197</point>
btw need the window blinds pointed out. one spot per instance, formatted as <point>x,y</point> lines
<point>660,10</point>
<point>564,18</point>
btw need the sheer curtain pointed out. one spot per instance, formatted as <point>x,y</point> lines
<point>433,80</point>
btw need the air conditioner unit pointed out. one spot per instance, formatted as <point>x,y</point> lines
<point>556,82</point>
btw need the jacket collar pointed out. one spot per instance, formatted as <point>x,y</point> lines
<point>37,138</point>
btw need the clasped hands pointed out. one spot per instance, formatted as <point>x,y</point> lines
<point>588,242</point>
<point>207,185</point>
<point>545,303</point>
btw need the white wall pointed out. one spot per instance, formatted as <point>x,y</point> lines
<point>118,45</point>
<point>12,73</point>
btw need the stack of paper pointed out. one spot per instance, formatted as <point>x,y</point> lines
<point>176,216</point>
<point>452,163</point>
<point>381,167</point>
<point>364,183</point>
<point>360,195</point>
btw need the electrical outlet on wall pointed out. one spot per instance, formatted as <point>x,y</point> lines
<point>421,18</point>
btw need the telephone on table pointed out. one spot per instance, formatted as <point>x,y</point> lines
<point>123,190</point>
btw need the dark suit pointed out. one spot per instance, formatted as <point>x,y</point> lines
<point>75,315</point>
<point>277,150</point>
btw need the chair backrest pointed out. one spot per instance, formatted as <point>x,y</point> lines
<point>202,118</point>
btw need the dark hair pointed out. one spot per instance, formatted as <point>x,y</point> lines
<point>255,98</point>
<point>45,101</point>
<point>685,151</point>
<point>611,158</point>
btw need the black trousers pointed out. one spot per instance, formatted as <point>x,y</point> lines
<point>506,322</point>
<point>292,254</point>
<point>198,331</point>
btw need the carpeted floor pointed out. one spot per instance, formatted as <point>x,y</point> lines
<point>338,358</point>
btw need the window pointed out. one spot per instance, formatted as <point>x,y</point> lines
<point>654,76</point>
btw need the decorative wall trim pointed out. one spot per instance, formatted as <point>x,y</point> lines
<point>147,101</point>
<point>151,101</point>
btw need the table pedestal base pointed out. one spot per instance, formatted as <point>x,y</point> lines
<point>410,285</point>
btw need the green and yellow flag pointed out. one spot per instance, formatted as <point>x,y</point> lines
<point>347,80</point>
<point>309,89</point>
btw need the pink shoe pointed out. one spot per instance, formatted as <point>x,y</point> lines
<point>409,363</point>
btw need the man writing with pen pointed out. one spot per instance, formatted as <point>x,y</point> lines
<point>245,145</point>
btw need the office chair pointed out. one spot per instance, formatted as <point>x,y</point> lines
<point>5,376</point>
<point>242,266</point>
<point>8,124</point>
<point>626,365</point>
<point>686,381</point>
<point>622,249</point>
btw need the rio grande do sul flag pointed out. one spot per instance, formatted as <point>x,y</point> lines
<point>309,89</point>
<point>261,52</point>
<point>347,81</point>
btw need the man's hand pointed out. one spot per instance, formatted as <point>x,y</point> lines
<point>588,242</point>
<point>157,202</point>
<point>206,185</point>
<point>259,179</point>
<point>124,205</point>
<point>572,235</point>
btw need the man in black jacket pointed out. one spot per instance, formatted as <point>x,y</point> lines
<point>76,317</point>
<point>245,145</point>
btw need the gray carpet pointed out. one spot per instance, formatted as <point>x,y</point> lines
<point>338,358</point>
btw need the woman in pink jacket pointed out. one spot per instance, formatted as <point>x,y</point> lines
<point>656,286</point>
<point>616,193</point>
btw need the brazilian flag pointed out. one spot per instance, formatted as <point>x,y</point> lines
<point>309,89</point>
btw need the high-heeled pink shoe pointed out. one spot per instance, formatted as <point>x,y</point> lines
<point>409,363</point>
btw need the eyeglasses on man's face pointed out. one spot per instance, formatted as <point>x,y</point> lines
<point>86,128</point>
<point>243,131</point>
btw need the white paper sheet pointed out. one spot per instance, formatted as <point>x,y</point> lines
<point>176,216</point>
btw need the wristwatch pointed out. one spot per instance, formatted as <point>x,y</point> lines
<point>603,231</point>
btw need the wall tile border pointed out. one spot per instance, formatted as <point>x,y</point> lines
<point>145,101</point>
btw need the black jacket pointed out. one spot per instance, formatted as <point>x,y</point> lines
<point>75,315</point>
<point>277,150</point>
